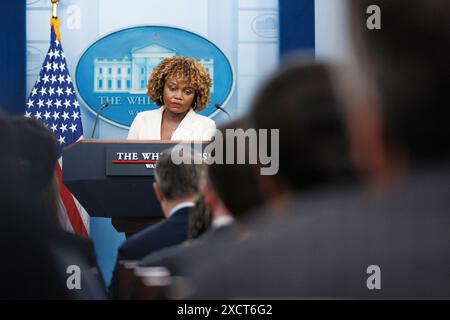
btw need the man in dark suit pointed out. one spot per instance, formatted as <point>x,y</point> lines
<point>176,187</point>
<point>391,243</point>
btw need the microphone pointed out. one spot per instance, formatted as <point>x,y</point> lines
<point>104,106</point>
<point>217,106</point>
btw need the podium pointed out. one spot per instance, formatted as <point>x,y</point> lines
<point>113,178</point>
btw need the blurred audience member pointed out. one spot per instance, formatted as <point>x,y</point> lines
<point>40,252</point>
<point>353,244</point>
<point>301,101</point>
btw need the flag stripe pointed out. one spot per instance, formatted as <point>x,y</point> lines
<point>70,206</point>
<point>83,213</point>
<point>62,215</point>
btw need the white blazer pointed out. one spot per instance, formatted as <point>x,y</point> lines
<point>147,126</point>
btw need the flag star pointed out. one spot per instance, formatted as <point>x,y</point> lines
<point>62,139</point>
<point>68,91</point>
<point>34,92</point>
<point>54,127</point>
<point>63,128</point>
<point>68,79</point>
<point>59,91</point>
<point>40,103</point>
<point>51,91</point>
<point>50,54</point>
<point>63,55</point>
<point>57,55</point>
<point>43,91</point>
<point>53,79</point>
<point>62,67</point>
<point>65,115</point>
<point>61,78</point>
<point>30,103</point>
<point>49,103</point>
<point>55,115</point>
<point>76,104</point>
<point>27,114</point>
<point>55,66</point>
<point>73,127</point>
<point>57,42</point>
<point>47,115</point>
<point>46,78</point>
<point>48,66</point>
<point>38,115</point>
<point>58,103</point>
<point>38,80</point>
<point>75,115</point>
<point>67,103</point>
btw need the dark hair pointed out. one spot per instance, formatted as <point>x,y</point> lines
<point>37,152</point>
<point>26,155</point>
<point>200,219</point>
<point>9,168</point>
<point>177,180</point>
<point>301,102</point>
<point>408,59</point>
<point>235,184</point>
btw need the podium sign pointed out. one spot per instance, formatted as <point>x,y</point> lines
<point>113,178</point>
<point>132,159</point>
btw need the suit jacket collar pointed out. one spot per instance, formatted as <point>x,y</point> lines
<point>229,231</point>
<point>183,129</point>
<point>184,205</point>
<point>157,124</point>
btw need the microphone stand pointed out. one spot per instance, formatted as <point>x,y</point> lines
<point>217,106</point>
<point>105,105</point>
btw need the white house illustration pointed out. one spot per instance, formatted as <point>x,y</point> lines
<point>131,73</point>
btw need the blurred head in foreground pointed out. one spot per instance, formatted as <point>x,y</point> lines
<point>399,119</point>
<point>300,100</point>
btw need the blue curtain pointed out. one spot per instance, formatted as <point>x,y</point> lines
<point>12,57</point>
<point>297,28</point>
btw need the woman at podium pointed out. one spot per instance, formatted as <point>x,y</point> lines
<point>180,86</point>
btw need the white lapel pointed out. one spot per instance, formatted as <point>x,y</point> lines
<point>155,127</point>
<point>185,128</point>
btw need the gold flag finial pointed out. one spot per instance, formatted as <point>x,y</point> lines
<point>55,8</point>
<point>54,20</point>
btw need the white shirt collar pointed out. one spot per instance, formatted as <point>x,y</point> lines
<point>182,205</point>
<point>222,221</point>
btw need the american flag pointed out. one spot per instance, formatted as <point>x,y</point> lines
<point>53,102</point>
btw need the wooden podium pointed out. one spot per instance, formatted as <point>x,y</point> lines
<point>113,178</point>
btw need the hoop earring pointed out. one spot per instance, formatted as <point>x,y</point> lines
<point>195,104</point>
<point>161,100</point>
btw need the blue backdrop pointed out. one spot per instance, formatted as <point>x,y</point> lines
<point>12,57</point>
<point>297,25</point>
